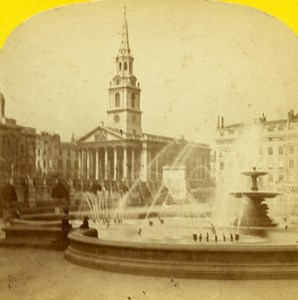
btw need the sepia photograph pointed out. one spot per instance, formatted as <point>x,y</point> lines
<point>148,150</point>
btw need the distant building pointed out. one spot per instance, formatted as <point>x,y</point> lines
<point>47,149</point>
<point>67,161</point>
<point>120,150</point>
<point>23,151</point>
<point>17,146</point>
<point>269,145</point>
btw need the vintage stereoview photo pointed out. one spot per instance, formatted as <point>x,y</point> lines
<point>149,150</point>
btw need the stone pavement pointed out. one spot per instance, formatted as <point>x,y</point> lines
<point>39,274</point>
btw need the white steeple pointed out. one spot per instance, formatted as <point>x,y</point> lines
<point>124,105</point>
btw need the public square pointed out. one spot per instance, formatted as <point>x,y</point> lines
<point>186,181</point>
<point>37,274</point>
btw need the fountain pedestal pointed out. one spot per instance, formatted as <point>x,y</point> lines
<point>256,214</point>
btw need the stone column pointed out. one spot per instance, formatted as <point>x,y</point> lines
<point>115,163</point>
<point>149,164</point>
<point>156,166</point>
<point>45,193</point>
<point>96,164</point>
<point>217,164</point>
<point>71,191</point>
<point>105,163</point>
<point>132,164</point>
<point>30,193</point>
<point>80,164</point>
<point>88,164</point>
<point>144,162</point>
<point>206,169</point>
<point>124,162</point>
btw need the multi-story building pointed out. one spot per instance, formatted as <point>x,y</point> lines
<point>269,145</point>
<point>47,149</point>
<point>67,161</point>
<point>23,151</point>
<point>17,146</point>
<point>120,150</point>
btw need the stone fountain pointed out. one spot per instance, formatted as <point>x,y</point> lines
<point>256,214</point>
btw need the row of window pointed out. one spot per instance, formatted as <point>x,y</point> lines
<point>44,152</point>
<point>125,66</point>
<point>44,163</point>
<point>68,164</point>
<point>280,150</point>
<point>270,129</point>
<point>133,102</point>
<point>69,153</point>
<point>8,144</point>
<point>291,164</point>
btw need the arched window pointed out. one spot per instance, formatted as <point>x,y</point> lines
<point>125,66</point>
<point>117,100</point>
<point>130,68</point>
<point>120,66</point>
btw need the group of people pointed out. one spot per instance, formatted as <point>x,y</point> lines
<point>66,226</point>
<point>200,238</point>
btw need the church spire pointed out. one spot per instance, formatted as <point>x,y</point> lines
<point>124,111</point>
<point>124,47</point>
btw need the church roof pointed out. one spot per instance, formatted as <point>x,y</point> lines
<point>124,47</point>
<point>101,132</point>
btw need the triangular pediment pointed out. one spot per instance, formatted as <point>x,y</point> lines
<point>101,133</point>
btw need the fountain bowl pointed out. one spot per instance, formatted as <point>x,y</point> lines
<point>205,261</point>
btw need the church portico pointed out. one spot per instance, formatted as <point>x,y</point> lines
<point>113,161</point>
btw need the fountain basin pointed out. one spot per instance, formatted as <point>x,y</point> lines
<point>254,194</point>
<point>206,261</point>
<point>41,234</point>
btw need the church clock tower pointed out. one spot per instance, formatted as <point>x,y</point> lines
<point>124,111</point>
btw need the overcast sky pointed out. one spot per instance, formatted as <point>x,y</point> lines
<point>194,60</point>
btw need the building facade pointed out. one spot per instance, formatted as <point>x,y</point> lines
<point>26,152</point>
<point>17,146</point>
<point>269,145</point>
<point>67,161</point>
<point>120,150</point>
<point>47,149</point>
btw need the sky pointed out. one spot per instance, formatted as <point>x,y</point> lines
<point>14,12</point>
<point>194,59</point>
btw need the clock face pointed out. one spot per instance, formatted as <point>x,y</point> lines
<point>116,118</point>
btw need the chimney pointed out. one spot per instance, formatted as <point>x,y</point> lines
<point>222,122</point>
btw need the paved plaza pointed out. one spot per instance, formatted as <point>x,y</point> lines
<point>36,274</point>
